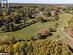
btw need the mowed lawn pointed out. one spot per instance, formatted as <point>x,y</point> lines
<point>28,32</point>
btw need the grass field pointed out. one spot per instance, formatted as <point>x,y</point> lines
<point>28,32</point>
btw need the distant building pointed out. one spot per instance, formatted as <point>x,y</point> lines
<point>4,3</point>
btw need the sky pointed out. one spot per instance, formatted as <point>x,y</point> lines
<point>42,1</point>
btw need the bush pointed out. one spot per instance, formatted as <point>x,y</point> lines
<point>53,29</point>
<point>36,37</point>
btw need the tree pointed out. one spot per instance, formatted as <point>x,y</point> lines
<point>21,48</point>
<point>44,33</point>
<point>16,48</point>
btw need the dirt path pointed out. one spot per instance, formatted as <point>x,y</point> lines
<point>68,33</point>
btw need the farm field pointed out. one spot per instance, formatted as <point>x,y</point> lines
<point>28,32</point>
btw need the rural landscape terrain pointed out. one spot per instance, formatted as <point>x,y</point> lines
<point>36,29</point>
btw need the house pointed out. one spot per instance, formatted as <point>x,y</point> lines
<point>4,3</point>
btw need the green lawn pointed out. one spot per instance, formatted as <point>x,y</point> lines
<point>28,32</point>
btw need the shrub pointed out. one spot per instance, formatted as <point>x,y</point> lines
<point>52,29</point>
<point>36,37</point>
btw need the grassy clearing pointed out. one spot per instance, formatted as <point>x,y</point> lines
<point>28,32</point>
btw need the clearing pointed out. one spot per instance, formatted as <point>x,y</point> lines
<point>28,32</point>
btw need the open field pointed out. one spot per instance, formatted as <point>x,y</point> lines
<point>28,32</point>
